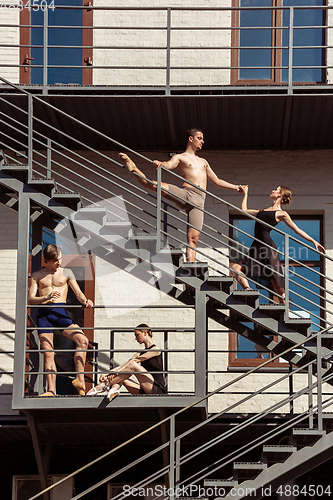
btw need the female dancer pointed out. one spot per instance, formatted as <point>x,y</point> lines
<point>140,364</point>
<point>269,266</point>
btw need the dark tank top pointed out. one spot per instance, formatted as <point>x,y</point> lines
<point>261,231</point>
<point>155,364</point>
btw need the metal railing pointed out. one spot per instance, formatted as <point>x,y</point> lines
<point>167,33</point>
<point>205,467</point>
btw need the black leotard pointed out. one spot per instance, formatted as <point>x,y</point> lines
<point>155,364</point>
<point>269,266</point>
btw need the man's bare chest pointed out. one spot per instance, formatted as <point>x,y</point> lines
<point>57,280</point>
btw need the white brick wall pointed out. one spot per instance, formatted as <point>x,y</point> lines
<point>8,245</point>
<point>125,35</point>
<point>9,35</point>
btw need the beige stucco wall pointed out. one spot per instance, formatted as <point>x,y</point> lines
<point>307,173</point>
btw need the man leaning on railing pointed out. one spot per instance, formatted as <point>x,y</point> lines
<point>52,283</point>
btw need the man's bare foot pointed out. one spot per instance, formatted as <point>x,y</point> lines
<point>79,387</point>
<point>127,162</point>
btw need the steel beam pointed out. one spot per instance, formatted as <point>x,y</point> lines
<point>21,298</point>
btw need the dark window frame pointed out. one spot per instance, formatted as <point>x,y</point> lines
<point>87,41</point>
<point>276,58</point>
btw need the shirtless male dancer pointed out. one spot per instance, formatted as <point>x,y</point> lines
<point>194,169</point>
<point>52,282</point>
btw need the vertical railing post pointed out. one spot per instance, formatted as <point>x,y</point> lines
<point>291,47</point>
<point>30,135</point>
<point>200,367</point>
<point>48,159</point>
<point>310,395</point>
<point>172,457</point>
<point>168,52</point>
<point>286,275</point>
<point>158,209</point>
<point>21,299</point>
<point>291,389</point>
<point>165,223</point>
<point>45,54</point>
<point>177,466</point>
<point>319,382</point>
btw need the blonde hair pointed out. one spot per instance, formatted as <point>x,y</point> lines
<point>144,328</point>
<point>286,195</point>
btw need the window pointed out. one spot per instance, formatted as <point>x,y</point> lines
<point>306,295</point>
<point>65,45</point>
<point>268,28</point>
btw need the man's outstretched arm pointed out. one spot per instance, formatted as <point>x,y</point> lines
<point>212,177</point>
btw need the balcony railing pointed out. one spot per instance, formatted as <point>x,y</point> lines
<point>156,49</point>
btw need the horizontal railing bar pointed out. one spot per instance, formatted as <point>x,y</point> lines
<point>194,8</point>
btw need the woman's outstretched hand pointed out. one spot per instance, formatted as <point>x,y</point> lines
<point>319,247</point>
<point>244,188</point>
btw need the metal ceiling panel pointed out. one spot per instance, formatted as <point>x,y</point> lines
<point>160,122</point>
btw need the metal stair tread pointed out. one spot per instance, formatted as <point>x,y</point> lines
<point>249,466</point>
<point>15,167</point>
<point>298,431</point>
<point>220,482</point>
<point>286,448</point>
<point>144,236</point>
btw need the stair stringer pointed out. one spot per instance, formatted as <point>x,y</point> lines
<point>299,463</point>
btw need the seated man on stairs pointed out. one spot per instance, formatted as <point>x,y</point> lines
<point>52,283</point>
<point>195,170</point>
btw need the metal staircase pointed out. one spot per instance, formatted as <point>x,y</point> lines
<point>95,227</point>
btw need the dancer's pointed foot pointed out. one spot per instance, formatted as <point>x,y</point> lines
<point>98,389</point>
<point>113,393</point>
<point>79,387</point>
<point>127,162</point>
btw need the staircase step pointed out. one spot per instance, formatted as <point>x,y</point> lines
<point>277,453</point>
<point>19,172</point>
<point>250,297</point>
<point>70,200</point>
<point>121,228</point>
<point>45,186</point>
<point>249,466</point>
<point>298,431</point>
<point>193,269</point>
<point>95,214</point>
<point>273,311</point>
<point>305,436</point>
<point>247,470</point>
<point>176,254</point>
<point>224,483</point>
<point>224,283</point>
